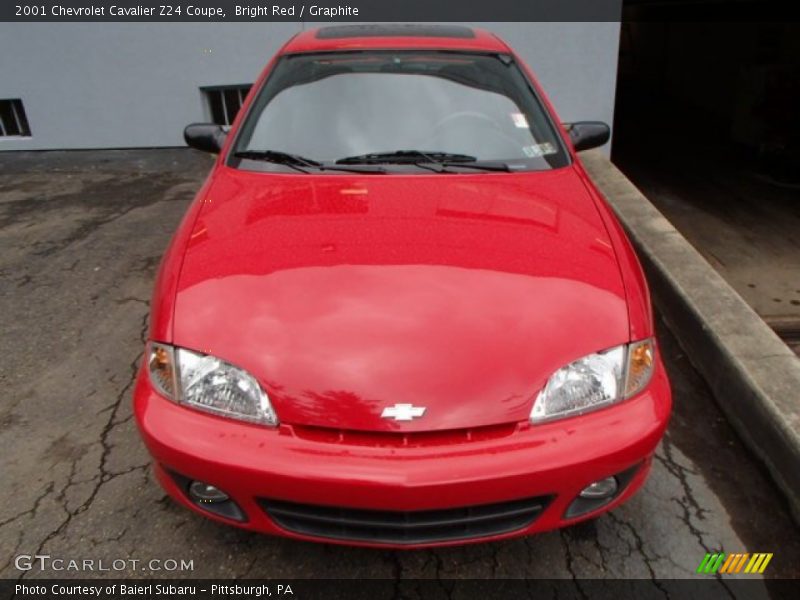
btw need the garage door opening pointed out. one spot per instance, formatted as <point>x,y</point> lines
<point>706,125</point>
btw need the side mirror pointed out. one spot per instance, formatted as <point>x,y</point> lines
<point>207,137</point>
<point>588,134</point>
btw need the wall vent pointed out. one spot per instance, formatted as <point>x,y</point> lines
<point>13,122</point>
<point>225,101</point>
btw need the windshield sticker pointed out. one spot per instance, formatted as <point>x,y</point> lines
<point>519,120</point>
<point>536,150</point>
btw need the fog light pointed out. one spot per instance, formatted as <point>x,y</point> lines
<point>600,493</point>
<point>600,490</point>
<point>206,493</point>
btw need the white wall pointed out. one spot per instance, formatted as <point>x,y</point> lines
<point>114,85</point>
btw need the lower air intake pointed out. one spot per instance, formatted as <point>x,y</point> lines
<point>408,527</point>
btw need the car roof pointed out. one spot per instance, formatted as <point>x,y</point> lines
<point>394,37</point>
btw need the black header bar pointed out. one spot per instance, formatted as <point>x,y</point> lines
<point>312,11</point>
<point>443,11</point>
<point>702,588</point>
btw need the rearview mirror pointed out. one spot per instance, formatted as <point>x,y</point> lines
<point>587,134</point>
<point>207,137</point>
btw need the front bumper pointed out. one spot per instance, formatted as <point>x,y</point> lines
<point>549,464</point>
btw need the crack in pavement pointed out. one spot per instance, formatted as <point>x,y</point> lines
<point>570,563</point>
<point>688,501</point>
<point>687,504</point>
<point>679,472</point>
<point>104,475</point>
<point>31,511</point>
<point>641,551</point>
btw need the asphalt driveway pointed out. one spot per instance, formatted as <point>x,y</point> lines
<point>81,234</point>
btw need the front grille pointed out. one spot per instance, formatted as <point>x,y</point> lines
<point>406,439</point>
<point>409,527</point>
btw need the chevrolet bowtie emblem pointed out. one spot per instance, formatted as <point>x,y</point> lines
<point>403,412</point>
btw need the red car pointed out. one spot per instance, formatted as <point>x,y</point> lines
<point>398,312</point>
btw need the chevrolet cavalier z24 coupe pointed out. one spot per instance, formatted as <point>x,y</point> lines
<point>398,313</point>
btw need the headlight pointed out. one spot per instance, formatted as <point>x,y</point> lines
<point>595,381</point>
<point>208,383</point>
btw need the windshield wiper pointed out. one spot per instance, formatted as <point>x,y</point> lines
<point>422,158</point>
<point>404,157</point>
<point>482,165</point>
<point>297,162</point>
<point>294,161</point>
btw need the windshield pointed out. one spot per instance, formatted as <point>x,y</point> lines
<point>366,107</point>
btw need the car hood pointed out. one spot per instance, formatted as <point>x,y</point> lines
<point>347,294</point>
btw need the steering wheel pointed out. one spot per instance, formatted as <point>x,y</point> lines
<point>465,114</point>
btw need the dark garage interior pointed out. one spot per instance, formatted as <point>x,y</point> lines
<point>706,125</point>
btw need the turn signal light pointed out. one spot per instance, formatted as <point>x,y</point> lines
<point>641,356</point>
